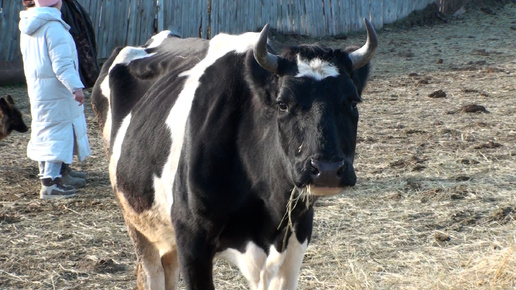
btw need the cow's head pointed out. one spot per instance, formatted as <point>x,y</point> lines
<point>313,92</point>
<point>10,117</point>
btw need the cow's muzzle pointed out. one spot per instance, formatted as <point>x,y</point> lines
<point>330,177</point>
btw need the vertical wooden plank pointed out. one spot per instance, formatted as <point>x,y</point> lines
<point>325,17</point>
<point>316,18</point>
<point>352,12</point>
<point>321,29</point>
<point>344,15</point>
<point>376,14</point>
<point>179,11</point>
<point>201,11</point>
<point>131,18</point>
<point>246,16</point>
<point>223,6</point>
<point>228,12</point>
<point>185,14</point>
<point>335,21</point>
<point>266,13</point>
<point>206,22</point>
<point>253,22</point>
<point>239,17</point>
<point>312,18</point>
<point>389,11</point>
<point>215,12</point>
<point>194,20</point>
<point>283,15</point>
<point>224,14</point>
<point>271,11</point>
<point>93,7</point>
<point>9,32</point>
<point>159,16</point>
<point>361,13</point>
<point>103,32</point>
<point>150,12</point>
<point>296,16</point>
<point>291,12</point>
<point>310,12</point>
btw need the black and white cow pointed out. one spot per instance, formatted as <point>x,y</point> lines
<point>219,148</point>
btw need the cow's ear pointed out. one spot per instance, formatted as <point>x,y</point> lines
<point>359,76</point>
<point>259,79</point>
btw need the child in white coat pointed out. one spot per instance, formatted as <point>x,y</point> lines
<point>55,90</point>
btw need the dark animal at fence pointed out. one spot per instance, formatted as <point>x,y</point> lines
<point>219,148</point>
<point>10,118</point>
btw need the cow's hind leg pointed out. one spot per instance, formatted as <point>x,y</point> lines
<point>150,272</point>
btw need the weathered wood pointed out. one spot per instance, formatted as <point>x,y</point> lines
<point>132,22</point>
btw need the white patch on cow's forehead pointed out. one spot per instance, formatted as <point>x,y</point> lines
<point>316,68</point>
<point>220,45</point>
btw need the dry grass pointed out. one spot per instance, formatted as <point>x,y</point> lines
<point>434,207</point>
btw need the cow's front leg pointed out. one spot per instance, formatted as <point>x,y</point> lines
<point>287,273</point>
<point>195,252</point>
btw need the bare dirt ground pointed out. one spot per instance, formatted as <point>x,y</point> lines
<point>435,203</point>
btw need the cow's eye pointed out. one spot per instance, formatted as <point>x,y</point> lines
<point>354,105</point>
<point>282,106</point>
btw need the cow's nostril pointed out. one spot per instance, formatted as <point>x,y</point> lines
<point>314,169</point>
<point>327,173</point>
<point>340,171</point>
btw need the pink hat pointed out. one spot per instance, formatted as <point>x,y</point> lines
<point>45,3</point>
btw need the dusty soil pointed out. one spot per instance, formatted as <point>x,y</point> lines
<point>435,203</point>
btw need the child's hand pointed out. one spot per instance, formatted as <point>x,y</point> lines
<point>78,95</point>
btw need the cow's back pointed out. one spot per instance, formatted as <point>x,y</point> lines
<point>131,73</point>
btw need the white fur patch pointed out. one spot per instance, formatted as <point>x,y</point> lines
<point>158,39</point>
<point>117,148</point>
<point>275,271</point>
<point>128,54</point>
<point>249,263</point>
<point>291,260</point>
<point>316,68</point>
<point>176,120</point>
<point>106,92</point>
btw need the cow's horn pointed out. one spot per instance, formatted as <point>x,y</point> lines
<point>363,55</point>
<point>265,59</point>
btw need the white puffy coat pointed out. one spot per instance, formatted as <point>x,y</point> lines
<point>51,69</point>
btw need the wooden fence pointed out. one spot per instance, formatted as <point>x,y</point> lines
<point>132,22</point>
